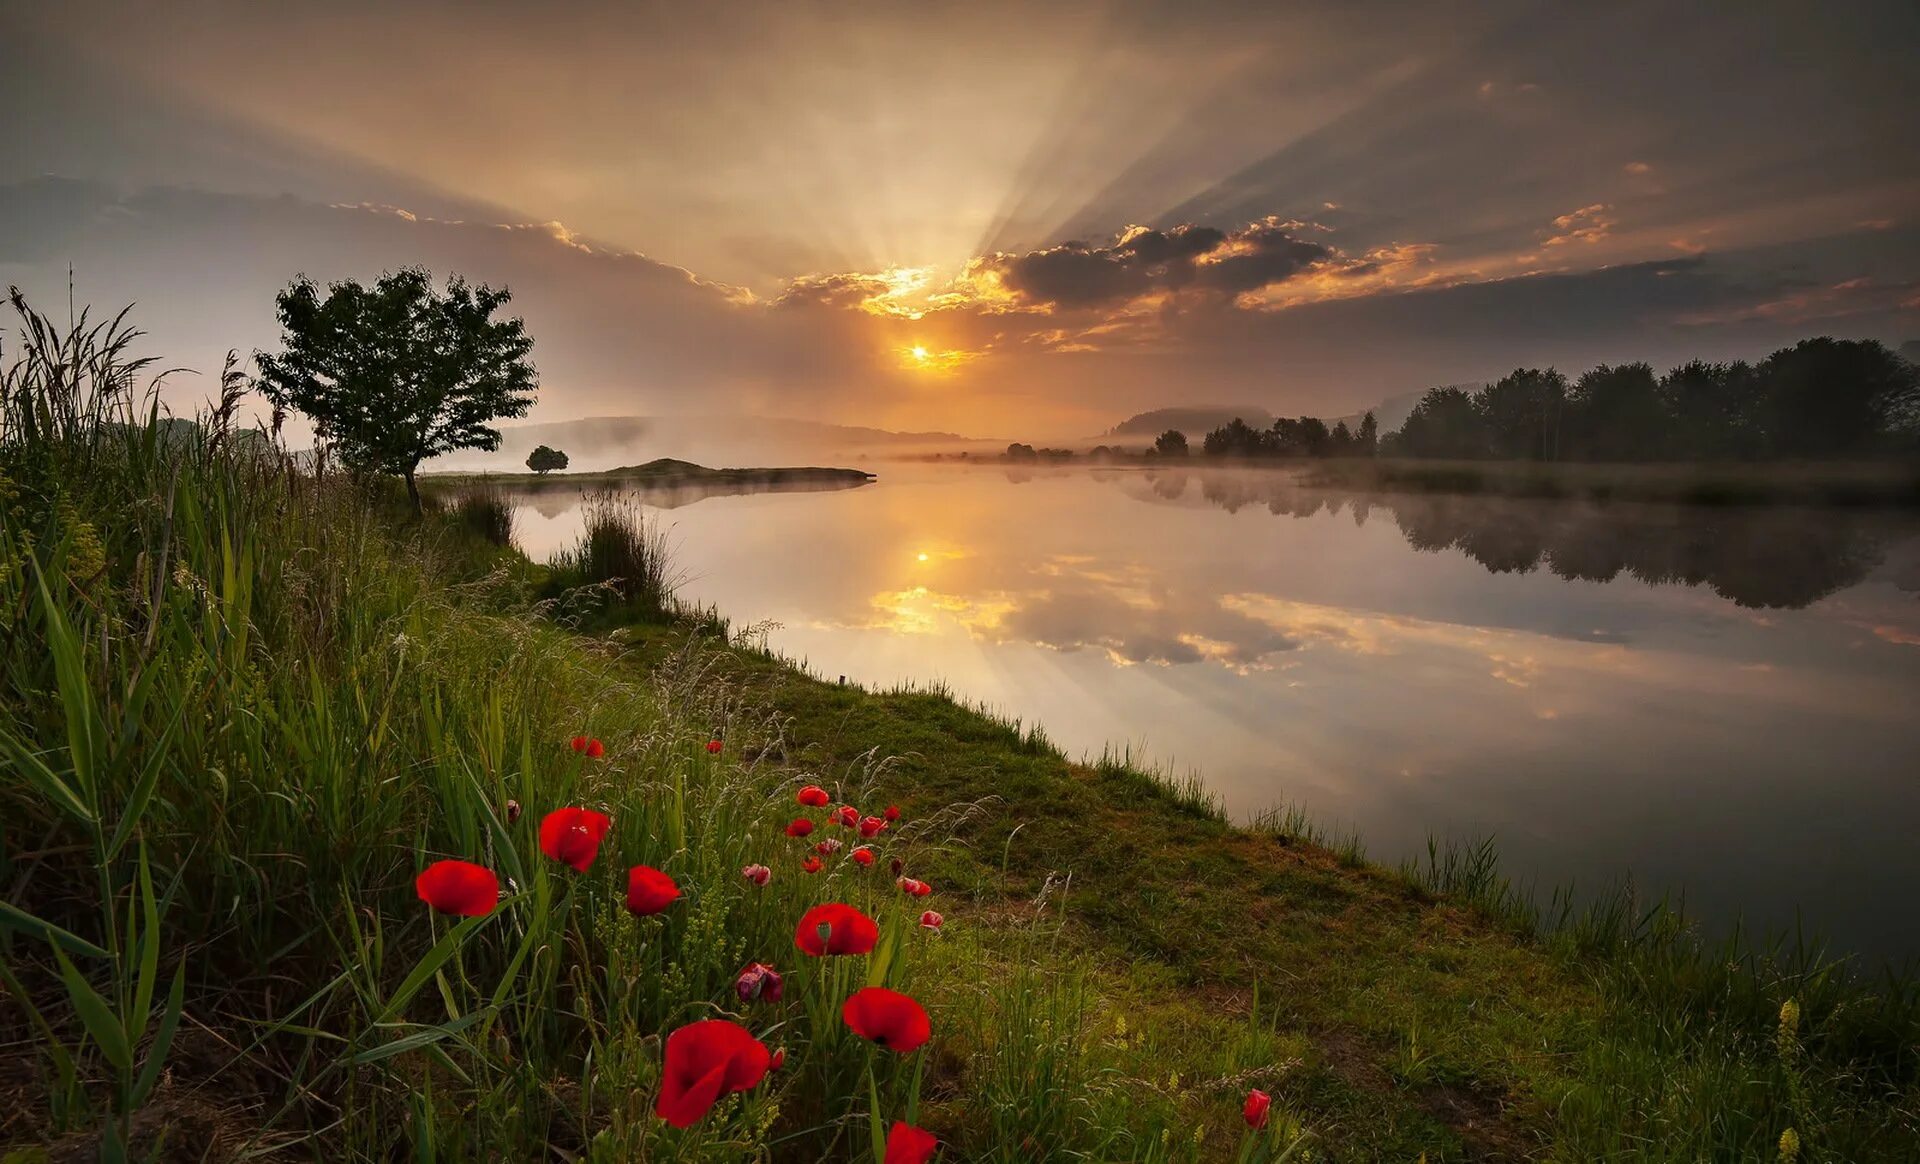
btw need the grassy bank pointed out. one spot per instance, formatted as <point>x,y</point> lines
<point>1844,483</point>
<point>663,472</point>
<point>244,708</point>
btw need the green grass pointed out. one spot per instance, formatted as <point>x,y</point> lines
<point>242,707</point>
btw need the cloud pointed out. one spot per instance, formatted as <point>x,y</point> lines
<point>1142,261</point>
<point>1589,224</point>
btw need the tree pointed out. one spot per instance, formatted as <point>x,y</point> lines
<point>1714,410</point>
<point>1367,440</point>
<point>1616,414</point>
<point>1019,452</point>
<point>544,460</point>
<point>1524,411</point>
<point>398,372</point>
<point>1236,438</point>
<point>1827,397</point>
<point>1171,443</point>
<point>1445,423</point>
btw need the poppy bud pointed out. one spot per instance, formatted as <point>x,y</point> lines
<point>713,747</point>
<point>1255,1112</point>
<point>513,811</point>
<point>931,920</point>
<point>779,1059</point>
<point>913,888</point>
<point>896,865</point>
<point>892,814</point>
<point>758,874</point>
<point>757,981</point>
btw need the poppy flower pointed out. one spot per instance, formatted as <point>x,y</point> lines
<point>913,888</point>
<point>713,747</point>
<point>799,827</point>
<point>704,1061</point>
<point>892,814</point>
<point>595,749</point>
<point>931,920</point>
<point>758,980</point>
<point>513,811</point>
<point>872,827</point>
<point>862,856</point>
<point>835,928</point>
<point>460,887</point>
<point>846,815</point>
<point>579,743</point>
<point>572,836</point>
<point>758,874</point>
<point>827,847</point>
<point>779,1059</point>
<point>811,865</point>
<point>1255,1113</point>
<point>907,1144</point>
<point>887,1018</point>
<point>813,796</point>
<point>649,891</point>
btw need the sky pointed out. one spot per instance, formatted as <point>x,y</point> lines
<point>994,219</point>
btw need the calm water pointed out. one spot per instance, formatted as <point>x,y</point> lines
<point>1720,702</point>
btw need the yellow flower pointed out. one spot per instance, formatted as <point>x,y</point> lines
<point>1790,1016</point>
<point>1789,1143</point>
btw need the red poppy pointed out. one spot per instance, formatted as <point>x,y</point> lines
<point>758,874</point>
<point>813,796</point>
<point>706,1060</point>
<point>827,847</point>
<point>835,928</point>
<point>862,856</point>
<point>931,920</point>
<point>913,888</point>
<point>872,827</point>
<point>892,814</point>
<point>595,749</point>
<point>800,827</point>
<point>758,980</point>
<point>846,815</point>
<point>713,747</point>
<point>1255,1113</point>
<point>572,836</point>
<point>907,1144</point>
<point>579,743</point>
<point>887,1018</point>
<point>779,1059</point>
<point>460,887</point>
<point>649,891</point>
<point>811,865</point>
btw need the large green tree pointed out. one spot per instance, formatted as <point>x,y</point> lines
<point>400,371</point>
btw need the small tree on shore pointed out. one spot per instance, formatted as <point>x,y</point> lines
<point>398,372</point>
<point>1171,443</point>
<point>544,460</point>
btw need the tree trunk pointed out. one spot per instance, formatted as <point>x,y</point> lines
<point>413,492</point>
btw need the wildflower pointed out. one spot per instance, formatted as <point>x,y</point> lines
<point>907,1144</point>
<point>887,1018</point>
<point>458,887</point>
<point>758,980</point>
<point>1789,1146</point>
<point>835,928</point>
<point>892,814</point>
<point>862,856</point>
<point>872,827</point>
<point>649,891</point>
<point>572,836</point>
<point>913,888</point>
<point>579,743</point>
<point>896,865</point>
<point>704,1061</point>
<point>713,747</point>
<point>779,1059</point>
<point>813,796</point>
<point>1255,1112</point>
<point>799,827</point>
<point>812,865</point>
<point>1790,1016</point>
<point>595,749</point>
<point>846,815</point>
<point>931,920</point>
<point>827,848</point>
<point>513,812</point>
<point>758,874</point>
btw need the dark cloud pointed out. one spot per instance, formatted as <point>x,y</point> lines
<point>1142,260</point>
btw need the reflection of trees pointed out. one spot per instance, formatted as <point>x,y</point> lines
<point>1754,556</point>
<point>551,499</point>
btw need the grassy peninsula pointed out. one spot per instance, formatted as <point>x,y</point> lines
<point>244,707</point>
<point>663,473</point>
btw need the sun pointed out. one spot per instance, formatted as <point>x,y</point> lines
<point>919,353</point>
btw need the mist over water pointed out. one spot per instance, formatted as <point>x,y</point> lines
<point>1714,701</point>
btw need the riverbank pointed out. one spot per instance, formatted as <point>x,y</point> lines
<point>1839,483</point>
<point>245,967</point>
<point>661,473</point>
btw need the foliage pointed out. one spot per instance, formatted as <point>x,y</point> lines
<point>544,460</point>
<point>399,372</point>
<point>1171,443</point>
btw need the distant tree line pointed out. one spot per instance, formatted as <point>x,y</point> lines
<point>1821,398</point>
<point>1304,436</point>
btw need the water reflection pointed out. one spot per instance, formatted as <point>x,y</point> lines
<point>1759,557</point>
